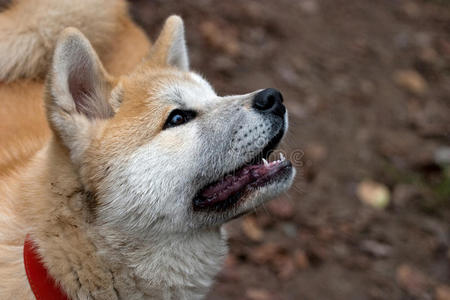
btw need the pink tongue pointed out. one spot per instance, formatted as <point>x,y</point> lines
<point>234,183</point>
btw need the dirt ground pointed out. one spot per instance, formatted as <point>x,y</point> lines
<point>367,85</point>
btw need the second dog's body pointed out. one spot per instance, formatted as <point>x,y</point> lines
<point>28,34</point>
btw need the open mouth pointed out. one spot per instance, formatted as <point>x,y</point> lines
<point>230,189</point>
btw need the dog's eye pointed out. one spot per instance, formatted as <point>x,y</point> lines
<point>179,117</point>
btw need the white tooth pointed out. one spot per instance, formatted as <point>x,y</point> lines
<point>282,157</point>
<point>265,162</point>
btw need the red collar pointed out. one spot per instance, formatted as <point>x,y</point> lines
<point>42,284</point>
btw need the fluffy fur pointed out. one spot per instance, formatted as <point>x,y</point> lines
<point>104,191</point>
<point>29,30</point>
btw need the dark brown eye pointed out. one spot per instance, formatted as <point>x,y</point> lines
<point>178,117</point>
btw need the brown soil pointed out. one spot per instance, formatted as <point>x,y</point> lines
<point>367,85</point>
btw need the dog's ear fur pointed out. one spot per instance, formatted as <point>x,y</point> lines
<point>78,88</point>
<point>170,47</point>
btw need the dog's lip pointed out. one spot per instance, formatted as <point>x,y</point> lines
<point>229,190</point>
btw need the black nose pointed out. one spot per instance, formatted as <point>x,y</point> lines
<point>269,101</point>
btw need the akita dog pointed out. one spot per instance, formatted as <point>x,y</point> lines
<point>121,184</point>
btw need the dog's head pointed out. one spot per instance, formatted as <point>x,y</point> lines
<point>158,150</point>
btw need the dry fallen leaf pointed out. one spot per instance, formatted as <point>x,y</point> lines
<point>412,280</point>
<point>373,194</point>
<point>258,294</point>
<point>411,80</point>
<point>251,229</point>
<point>264,253</point>
<point>301,259</point>
<point>443,292</point>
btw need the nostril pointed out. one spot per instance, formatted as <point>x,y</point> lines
<point>270,101</point>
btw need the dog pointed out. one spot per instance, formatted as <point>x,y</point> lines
<point>118,162</point>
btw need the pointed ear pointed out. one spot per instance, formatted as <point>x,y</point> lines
<point>78,89</point>
<point>170,47</point>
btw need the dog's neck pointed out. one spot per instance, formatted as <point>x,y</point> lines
<point>178,266</point>
<point>94,263</point>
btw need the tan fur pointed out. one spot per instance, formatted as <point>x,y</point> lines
<point>29,30</point>
<point>22,99</point>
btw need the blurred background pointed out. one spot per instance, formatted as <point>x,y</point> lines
<point>367,85</point>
